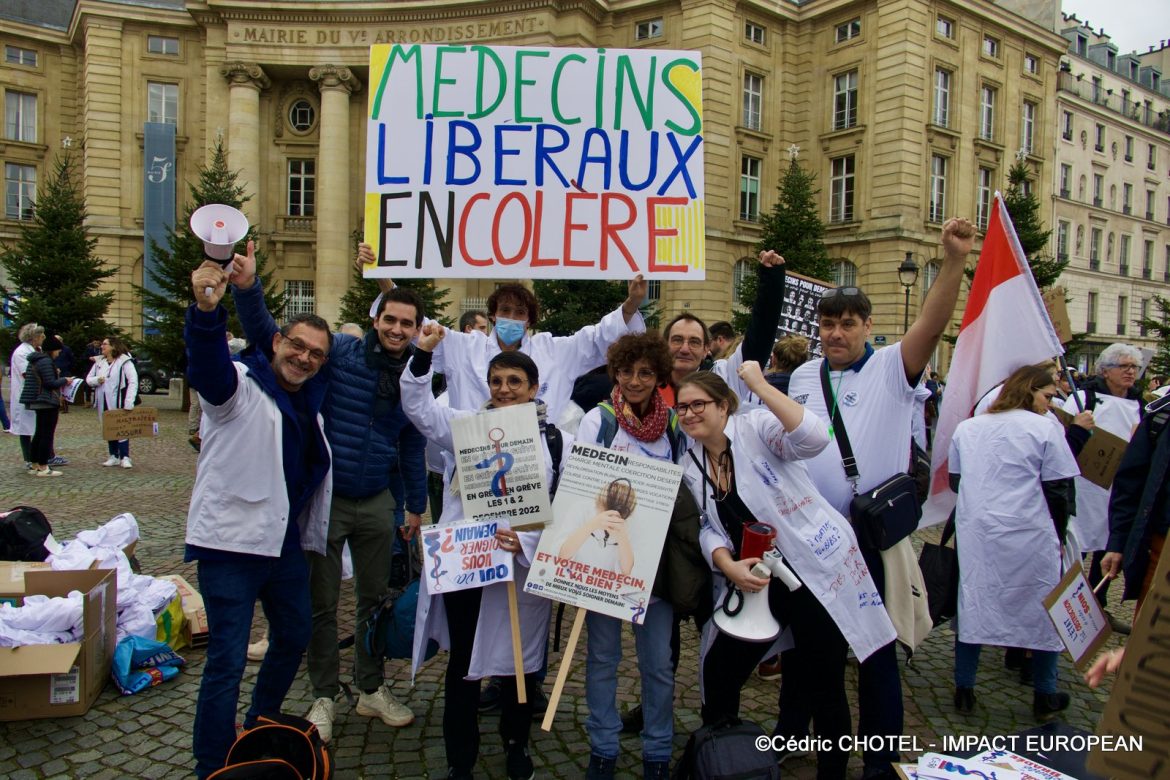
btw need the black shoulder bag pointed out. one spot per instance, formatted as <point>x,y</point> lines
<point>881,516</point>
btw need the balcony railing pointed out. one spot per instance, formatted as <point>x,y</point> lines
<point>1125,270</point>
<point>1094,265</point>
<point>1065,193</point>
<point>1147,273</point>
<point>1091,326</point>
<point>1139,112</point>
<point>1097,202</point>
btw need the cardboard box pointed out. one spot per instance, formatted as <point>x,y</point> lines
<point>55,681</point>
<point>12,580</point>
<point>195,630</point>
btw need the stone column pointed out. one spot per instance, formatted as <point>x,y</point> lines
<point>245,81</point>
<point>334,254</point>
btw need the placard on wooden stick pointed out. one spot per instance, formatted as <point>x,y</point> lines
<point>1101,456</point>
<point>1077,615</point>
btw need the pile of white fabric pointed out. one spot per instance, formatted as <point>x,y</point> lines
<point>140,597</point>
<point>43,620</point>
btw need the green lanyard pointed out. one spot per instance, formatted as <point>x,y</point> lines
<point>833,411</point>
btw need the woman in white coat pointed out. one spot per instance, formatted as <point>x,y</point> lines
<point>115,382</point>
<point>473,624</point>
<point>1012,470</point>
<point>744,469</point>
<point>23,421</point>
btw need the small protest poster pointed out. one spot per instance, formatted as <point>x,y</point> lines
<point>1078,617</point>
<point>129,423</point>
<point>464,555</point>
<point>1136,713</point>
<point>499,460</point>
<point>799,315</point>
<point>1101,457</point>
<point>534,162</point>
<point>611,511</point>
<point>69,391</point>
<point>1058,313</point>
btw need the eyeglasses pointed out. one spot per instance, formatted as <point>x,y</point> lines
<point>694,407</point>
<point>301,348</point>
<point>844,292</point>
<point>645,374</point>
<point>511,381</point>
<point>693,343</point>
<point>1126,366</point>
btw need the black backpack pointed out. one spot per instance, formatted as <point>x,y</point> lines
<point>23,531</point>
<point>727,750</point>
<point>279,747</point>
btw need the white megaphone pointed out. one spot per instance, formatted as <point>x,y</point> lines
<point>747,616</point>
<point>219,227</point>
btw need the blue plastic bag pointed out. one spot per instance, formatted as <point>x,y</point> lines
<point>141,663</point>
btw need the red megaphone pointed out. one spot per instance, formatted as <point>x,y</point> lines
<point>758,538</point>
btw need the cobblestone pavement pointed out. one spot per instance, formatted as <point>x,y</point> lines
<point>148,735</point>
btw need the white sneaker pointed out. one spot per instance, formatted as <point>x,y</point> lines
<point>321,716</point>
<point>258,649</point>
<point>382,704</point>
<point>113,460</point>
<point>47,473</point>
<point>126,464</point>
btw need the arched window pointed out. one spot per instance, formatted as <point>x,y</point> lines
<point>929,274</point>
<point>739,273</point>
<point>844,274</point>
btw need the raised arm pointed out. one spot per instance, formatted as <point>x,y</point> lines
<point>760,334</point>
<point>432,420</point>
<point>958,236</point>
<point>248,292</point>
<point>209,362</point>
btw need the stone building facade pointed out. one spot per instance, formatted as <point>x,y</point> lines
<point>908,112</point>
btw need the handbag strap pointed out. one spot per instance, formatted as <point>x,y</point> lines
<point>848,462</point>
<point>948,531</point>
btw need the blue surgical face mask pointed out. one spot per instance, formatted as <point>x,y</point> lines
<point>509,331</point>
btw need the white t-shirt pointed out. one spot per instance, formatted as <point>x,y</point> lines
<point>877,405</point>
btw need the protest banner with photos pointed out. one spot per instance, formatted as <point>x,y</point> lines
<point>1078,617</point>
<point>611,511</point>
<point>534,162</point>
<point>500,465</point>
<point>465,555</point>
<point>799,315</point>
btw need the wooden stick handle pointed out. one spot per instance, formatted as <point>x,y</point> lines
<point>517,647</point>
<point>563,672</point>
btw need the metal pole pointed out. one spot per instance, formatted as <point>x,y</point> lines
<point>906,315</point>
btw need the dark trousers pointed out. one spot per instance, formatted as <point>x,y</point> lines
<point>26,448</point>
<point>813,682</point>
<point>41,448</point>
<point>119,448</point>
<point>230,589</point>
<point>879,685</point>
<point>461,702</point>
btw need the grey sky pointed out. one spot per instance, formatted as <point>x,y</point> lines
<point>1131,24</point>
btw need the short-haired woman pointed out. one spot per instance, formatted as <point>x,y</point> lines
<point>1012,470</point>
<point>42,394</point>
<point>23,421</point>
<point>115,382</point>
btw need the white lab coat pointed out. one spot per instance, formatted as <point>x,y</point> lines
<point>816,541</point>
<point>464,358</point>
<point>491,654</point>
<point>120,387</point>
<point>1009,553</point>
<point>23,421</point>
<point>1091,522</point>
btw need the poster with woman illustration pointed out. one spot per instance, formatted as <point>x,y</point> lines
<point>610,517</point>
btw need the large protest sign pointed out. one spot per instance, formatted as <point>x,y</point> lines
<point>1137,710</point>
<point>460,556</point>
<point>500,465</point>
<point>499,161</point>
<point>611,513</point>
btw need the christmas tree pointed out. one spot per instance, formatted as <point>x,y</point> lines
<point>165,309</point>
<point>1024,208</point>
<point>355,304</point>
<point>53,274</point>
<point>794,230</point>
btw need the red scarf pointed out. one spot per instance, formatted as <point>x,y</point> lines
<point>649,428</point>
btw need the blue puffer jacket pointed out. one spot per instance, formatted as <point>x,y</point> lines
<point>365,449</point>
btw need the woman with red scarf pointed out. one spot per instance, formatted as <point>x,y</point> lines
<point>634,419</point>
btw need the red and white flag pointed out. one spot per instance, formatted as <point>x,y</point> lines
<point>1004,327</point>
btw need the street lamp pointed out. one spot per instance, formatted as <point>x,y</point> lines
<point>907,275</point>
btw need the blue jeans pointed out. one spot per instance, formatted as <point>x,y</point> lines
<point>230,588</point>
<point>119,448</point>
<point>652,641</point>
<point>967,664</point>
